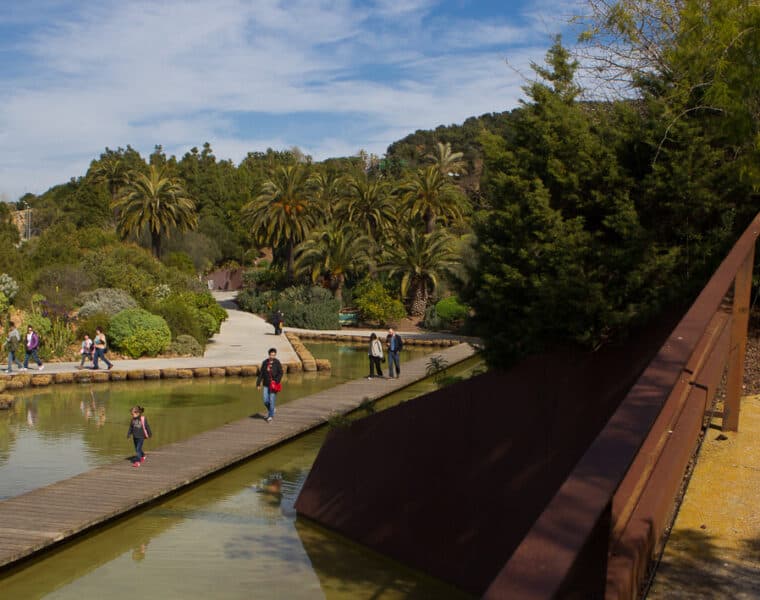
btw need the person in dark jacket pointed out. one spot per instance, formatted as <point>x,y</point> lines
<point>270,374</point>
<point>395,344</point>
<point>140,431</point>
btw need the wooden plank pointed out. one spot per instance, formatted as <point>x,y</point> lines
<point>43,518</point>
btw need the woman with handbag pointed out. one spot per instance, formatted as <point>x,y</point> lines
<point>270,374</point>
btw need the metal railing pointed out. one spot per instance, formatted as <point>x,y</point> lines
<point>598,535</point>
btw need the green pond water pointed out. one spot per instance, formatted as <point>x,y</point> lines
<point>234,536</point>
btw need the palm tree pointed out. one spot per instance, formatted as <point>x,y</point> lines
<point>447,162</point>
<point>429,195</point>
<point>332,253</point>
<point>284,211</point>
<point>328,190</point>
<point>157,201</point>
<point>367,205</point>
<point>420,259</point>
<point>112,171</point>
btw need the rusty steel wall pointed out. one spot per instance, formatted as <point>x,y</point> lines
<point>451,482</point>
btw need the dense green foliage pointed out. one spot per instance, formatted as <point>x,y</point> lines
<point>563,221</point>
<point>186,345</point>
<point>136,332</point>
<point>107,301</point>
<point>375,304</point>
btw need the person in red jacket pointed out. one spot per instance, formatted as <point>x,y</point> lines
<point>270,374</point>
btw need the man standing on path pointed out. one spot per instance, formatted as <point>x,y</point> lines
<point>32,345</point>
<point>12,344</point>
<point>270,374</point>
<point>395,344</point>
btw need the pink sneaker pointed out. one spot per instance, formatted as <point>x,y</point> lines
<point>142,460</point>
<point>135,464</point>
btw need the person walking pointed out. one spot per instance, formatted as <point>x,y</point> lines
<point>270,375</point>
<point>85,350</point>
<point>375,354</point>
<point>32,346</point>
<point>140,431</point>
<point>395,344</point>
<point>12,344</point>
<point>101,347</point>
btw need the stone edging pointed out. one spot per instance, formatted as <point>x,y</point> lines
<point>364,338</point>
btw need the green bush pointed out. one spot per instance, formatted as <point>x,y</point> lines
<point>309,308</point>
<point>450,309</point>
<point>180,261</point>
<point>189,313</point>
<point>64,283</point>
<point>186,345</point>
<point>58,340</point>
<point>376,304</point>
<point>90,323</point>
<point>263,279</point>
<point>257,303</point>
<point>109,301</point>
<point>136,332</point>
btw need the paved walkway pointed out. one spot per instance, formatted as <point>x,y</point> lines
<point>42,518</point>
<point>714,547</point>
<point>244,339</point>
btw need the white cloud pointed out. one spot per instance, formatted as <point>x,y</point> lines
<point>181,73</point>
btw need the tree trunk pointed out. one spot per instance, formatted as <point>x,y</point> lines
<point>291,261</point>
<point>155,244</point>
<point>419,298</point>
<point>429,221</point>
<point>339,281</point>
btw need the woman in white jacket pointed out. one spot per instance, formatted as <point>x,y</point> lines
<point>375,354</point>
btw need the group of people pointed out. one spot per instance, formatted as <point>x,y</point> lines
<point>394,344</point>
<point>94,350</point>
<point>31,344</point>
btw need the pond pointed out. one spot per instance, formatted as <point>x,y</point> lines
<point>65,430</point>
<point>234,536</point>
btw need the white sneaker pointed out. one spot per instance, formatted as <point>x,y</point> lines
<point>22,369</point>
<point>269,419</point>
<point>41,367</point>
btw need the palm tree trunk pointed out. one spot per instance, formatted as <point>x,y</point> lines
<point>419,300</point>
<point>340,280</point>
<point>429,221</point>
<point>155,243</point>
<point>291,261</point>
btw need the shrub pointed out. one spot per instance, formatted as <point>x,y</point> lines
<point>309,308</point>
<point>431,320</point>
<point>136,332</point>
<point>376,304</point>
<point>180,261</point>
<point>90,323</point>
<point>186,345</point>
<point>8,286</point>
<point>194,314</point>
<point>263,279</point>
<point>450,309</point>
<point>105,300</point>
<point>257,303</point>
<point>58,340</point>
<point>63,282</point>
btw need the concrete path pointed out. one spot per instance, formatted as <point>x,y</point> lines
<point>244,339</point>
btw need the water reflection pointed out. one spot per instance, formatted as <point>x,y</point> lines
<point>234,536</point>
<point>64,430</point>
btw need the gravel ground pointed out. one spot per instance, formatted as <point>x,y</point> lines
<point>752,365</point>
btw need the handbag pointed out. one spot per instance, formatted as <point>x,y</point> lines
<point>274,386</point>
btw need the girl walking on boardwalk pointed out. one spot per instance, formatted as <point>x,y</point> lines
<point>270,374</point>
<point>139,430</point>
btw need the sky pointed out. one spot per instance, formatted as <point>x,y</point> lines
<point>331,77</point>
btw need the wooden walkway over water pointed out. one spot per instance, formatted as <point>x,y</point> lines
<point>40,519</point>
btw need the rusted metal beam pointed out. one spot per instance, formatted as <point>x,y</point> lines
<point>742,290</point>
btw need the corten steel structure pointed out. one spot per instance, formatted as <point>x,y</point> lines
<point>554,480</point>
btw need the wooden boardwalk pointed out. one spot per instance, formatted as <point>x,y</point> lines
<point>42,518</point>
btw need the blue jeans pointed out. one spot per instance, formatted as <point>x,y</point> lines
<point>12,359</point>
<point>138,447</point>
<point>269,400</point>
<point>393,359</point>
<point>100,353</point>
<point>33,354</point>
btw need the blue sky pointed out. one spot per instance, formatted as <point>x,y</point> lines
<point>331,77</point>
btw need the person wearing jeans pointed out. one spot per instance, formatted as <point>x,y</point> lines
<point>269,373</point>
<point>32,345</point>
<point>101,345</point>
<point>395,344</point>
<point>12,343</point>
